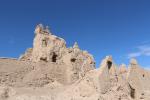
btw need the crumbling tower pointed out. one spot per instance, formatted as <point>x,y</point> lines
<point>46,47</point>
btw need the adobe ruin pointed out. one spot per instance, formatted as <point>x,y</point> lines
<point>51,71</point>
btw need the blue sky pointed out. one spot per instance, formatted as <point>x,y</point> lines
<point>120,28</point>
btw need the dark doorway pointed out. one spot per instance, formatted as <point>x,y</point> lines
<point>109,64</point>
<point>54,57</point>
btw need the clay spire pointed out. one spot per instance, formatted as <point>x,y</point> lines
<point>122,69</point>
<point>76,45</point>
<point>47,30</point>
<point>39,28</point>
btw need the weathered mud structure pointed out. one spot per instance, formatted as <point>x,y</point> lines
<point>48,48</point>
<point>51,71</point>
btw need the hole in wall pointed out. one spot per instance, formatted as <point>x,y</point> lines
<point>54,57</point>
<point>73,60</point>
<point>44,43</point>
<point>109,64</point>
<point>143,75</point>
<point>43,59</point>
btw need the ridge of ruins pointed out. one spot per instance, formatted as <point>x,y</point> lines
<point>51,71</point>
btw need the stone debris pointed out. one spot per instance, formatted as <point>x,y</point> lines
<point>52,71</point>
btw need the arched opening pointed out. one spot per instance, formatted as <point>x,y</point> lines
<point>54,57</point>
<point>44,43</point>
<point>109,64</point>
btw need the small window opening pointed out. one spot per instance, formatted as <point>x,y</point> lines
<point>73,59</point>
<point>132,92</point>
<point>44,43</point>
<point>43,59</point>
<point>54,57</point>
<point>109,64</point>
<point>143,75</point>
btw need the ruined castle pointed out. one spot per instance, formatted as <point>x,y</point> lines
<point>51,71</point>
<point>52,49</point>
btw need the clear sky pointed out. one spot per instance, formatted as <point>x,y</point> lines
<point>120,28</point>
